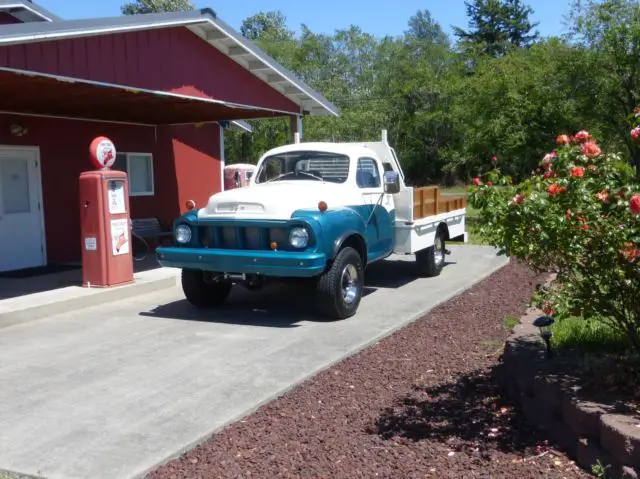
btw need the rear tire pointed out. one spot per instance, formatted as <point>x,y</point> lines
<point>340,287</point>
<point>430,261</point>
<point>201,293</point>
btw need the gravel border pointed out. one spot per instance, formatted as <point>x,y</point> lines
<point>422,402</point>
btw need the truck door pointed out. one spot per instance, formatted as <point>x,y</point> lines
<point>380,227</point>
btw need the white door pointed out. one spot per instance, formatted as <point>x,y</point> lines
<point>21,226</point>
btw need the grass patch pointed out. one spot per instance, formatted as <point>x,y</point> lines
<point>588,335</point>
<point>510,322</point>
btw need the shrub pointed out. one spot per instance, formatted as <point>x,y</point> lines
<point>578,215</point>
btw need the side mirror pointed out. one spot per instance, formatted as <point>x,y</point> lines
<point>391,182</point>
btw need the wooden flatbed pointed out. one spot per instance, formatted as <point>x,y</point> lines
<point>428,201</point>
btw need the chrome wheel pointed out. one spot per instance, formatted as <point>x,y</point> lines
<point>438,250</point>
<point>349,282</point>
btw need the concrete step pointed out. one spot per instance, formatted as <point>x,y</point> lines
<point>31,307</point>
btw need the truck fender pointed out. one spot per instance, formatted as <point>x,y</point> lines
<point>353,239</point>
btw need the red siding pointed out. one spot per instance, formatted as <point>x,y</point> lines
<point>172,59</point>
<point>196,154</point>
<point>7,19</point>
<point>64,155</point>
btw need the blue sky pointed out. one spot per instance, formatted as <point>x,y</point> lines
<point>324,16</point>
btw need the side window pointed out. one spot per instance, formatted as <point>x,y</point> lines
<point>367,173</point>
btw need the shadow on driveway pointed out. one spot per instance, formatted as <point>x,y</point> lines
<point>283,305</point>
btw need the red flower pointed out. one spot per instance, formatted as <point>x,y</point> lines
<point>635,133</point>
<point>634,204</point>
<point>494,159</point>
<point>577,171</point>
<point>603,195</point>
<point>477,181</point>
<point>582,136</point>
<point>590,149</point>
<point>489,183</point>
<point>563,140</point>
<point>548,174</point>
<point>547,166</point>
<point>568,215</point>
<point>630,252</point>
<point>555,189</point>
<point>547,308</point>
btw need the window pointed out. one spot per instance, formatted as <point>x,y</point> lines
<point>139,169</point>
<point>304,165</point>
<point>367,174</point>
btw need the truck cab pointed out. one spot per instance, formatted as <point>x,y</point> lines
<point>320,212</point>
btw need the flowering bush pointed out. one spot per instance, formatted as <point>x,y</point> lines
<point>578,215</point>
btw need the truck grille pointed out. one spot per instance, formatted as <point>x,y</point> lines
<point>247,238</point>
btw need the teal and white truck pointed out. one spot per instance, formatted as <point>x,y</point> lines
<point>317,211</point>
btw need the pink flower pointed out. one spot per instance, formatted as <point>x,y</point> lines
<point>476,181</point>
<point>590,149</point>
<point>563,140</point>
<point>518,199</point>
<point>635,133</point>
<point>549,157</point>
<point>582,136</point>
<point>494,158</point>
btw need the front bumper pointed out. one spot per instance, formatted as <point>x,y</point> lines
<point>283,264</point>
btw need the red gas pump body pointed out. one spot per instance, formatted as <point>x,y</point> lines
<point>105,225</point>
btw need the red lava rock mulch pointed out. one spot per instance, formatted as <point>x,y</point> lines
<point>420,403</point>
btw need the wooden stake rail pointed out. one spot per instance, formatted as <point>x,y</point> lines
<point>427,201</point>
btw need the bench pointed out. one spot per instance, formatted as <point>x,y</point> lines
<point>149,228</point>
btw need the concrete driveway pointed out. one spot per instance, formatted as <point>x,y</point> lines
<point>114,390</point>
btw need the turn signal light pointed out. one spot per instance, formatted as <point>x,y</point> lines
<point>322,206</point>
<point>191,205</point>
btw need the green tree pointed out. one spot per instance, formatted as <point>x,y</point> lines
<point>153,6</point>
<point>609,34</point>
<point>512,106</point>
<point>266,26</point>
<point>497,26</point>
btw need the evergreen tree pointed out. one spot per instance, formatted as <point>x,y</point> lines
<point>497,26</point>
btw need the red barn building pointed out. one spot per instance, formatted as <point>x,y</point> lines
<point>161,86</point>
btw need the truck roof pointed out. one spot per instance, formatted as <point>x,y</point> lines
<point>351,149</point>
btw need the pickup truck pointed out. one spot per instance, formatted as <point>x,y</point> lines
<point>320,212</point>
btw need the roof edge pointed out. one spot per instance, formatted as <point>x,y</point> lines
<point>32,8</point>
<point>49,31</point>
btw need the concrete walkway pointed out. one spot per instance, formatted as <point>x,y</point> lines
<point>112,391</point>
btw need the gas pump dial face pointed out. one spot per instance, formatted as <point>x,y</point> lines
<point>103,152</point>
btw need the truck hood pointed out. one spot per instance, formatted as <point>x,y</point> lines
<point>276,200</point>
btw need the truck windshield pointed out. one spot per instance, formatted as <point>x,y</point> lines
<point>304,165</point>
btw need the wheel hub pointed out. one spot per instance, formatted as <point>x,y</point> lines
<point>349,283</point>
<point>438,252</point>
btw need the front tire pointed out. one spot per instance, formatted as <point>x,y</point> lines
<point>202,293</point>
<point>340,287</point>
<point>430,261</point>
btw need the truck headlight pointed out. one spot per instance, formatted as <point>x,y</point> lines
<point>183,234</point>
<point>298,237</point>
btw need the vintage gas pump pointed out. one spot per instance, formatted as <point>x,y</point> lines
<point>104,220</point>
